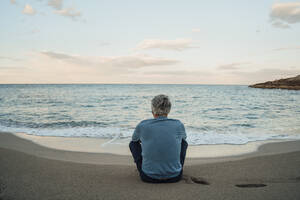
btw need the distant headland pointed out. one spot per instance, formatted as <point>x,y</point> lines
<point>287,83</point>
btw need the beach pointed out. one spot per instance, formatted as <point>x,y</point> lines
<point>32,171</point>
<point>89,87</point>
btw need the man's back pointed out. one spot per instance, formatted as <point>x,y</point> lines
<point>161,146</point>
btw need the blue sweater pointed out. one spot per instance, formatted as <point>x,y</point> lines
<point>161,145</point>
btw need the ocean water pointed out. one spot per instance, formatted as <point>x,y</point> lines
<point>212,114</point>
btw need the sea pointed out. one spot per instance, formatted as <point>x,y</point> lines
<point>212,114</point>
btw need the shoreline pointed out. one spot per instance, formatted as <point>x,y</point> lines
<point>111,157</point>
<point>98,145</point>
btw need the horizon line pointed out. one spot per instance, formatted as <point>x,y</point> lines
<point>120,84</point>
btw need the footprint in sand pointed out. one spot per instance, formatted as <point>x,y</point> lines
<point>197,180</point>
<point>251,185</point>
<point>297,179</point>
<point>276,180</point>
<point>2,188</point>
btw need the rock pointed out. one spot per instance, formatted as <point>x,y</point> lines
<point>288,83</point>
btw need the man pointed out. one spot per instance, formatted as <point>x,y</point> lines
<point>158,145</point>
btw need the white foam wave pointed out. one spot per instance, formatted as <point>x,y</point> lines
<point>234,138</point>
<point>119,135</point>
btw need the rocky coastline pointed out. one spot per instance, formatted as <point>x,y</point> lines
<point>288,84</point>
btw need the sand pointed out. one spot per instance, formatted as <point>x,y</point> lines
<point>120,146</point>
<point>31,171</point>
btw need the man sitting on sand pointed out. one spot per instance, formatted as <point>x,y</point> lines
<point>158,145</point>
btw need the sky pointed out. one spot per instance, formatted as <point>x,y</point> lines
<point>149,42</point>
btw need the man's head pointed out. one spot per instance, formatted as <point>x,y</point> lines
<point>160,105</point>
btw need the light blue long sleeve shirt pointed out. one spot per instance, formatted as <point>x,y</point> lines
<point>161,146</point>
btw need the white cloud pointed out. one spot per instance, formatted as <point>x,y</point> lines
<point>279,24</point>
<point>60,56</point>
<point>28,10</point>
<point>127,62</point>
<point>56,4</point>
<point>177,44</point>
<point>232,66</point>
<point>283,14</point>
<point>55,67</point>
<point>196,30</point>
<point>9,58</point>
<point>68,12</point>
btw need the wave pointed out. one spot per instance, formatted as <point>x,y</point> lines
<point>87,106</point>
<point>117,134</point>
<point>244,125</point>
<point>62,124</point>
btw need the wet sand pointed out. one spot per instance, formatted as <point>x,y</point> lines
<point>31,171</point>
<point>120,146</point>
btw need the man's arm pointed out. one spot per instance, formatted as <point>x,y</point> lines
<point>136,134</point>
<point>182,131</point>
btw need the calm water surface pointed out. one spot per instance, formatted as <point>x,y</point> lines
<point>212,114</point>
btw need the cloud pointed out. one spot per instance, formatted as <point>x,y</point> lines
<point>196,30</point>
<point>58,67</point>
<point>287,48</point>
<point>283,14</point>
<point>28,10</point>
<point>10,58</point>
<point>13,1</point>
<point>128,62</point>
<point>56,4</point>
<point>11,67</point>
<point>180,73</point>
<point>60,56</point>
<point>68,12</point>
<point>267,74</point>
<point>279,24</point>
<point>65,12</point>
<point>177,44</point>
<point>137,61</point>
<point>71,59</point>
<point>232,66</point>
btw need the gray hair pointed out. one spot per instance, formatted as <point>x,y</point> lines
<point>161,105</point>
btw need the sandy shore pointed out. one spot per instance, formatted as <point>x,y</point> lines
<point>31,171</point>
<point>120,146</point>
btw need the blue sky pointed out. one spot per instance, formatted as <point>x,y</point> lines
<point>195,42</point>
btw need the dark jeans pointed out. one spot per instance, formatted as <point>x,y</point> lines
<point>136,151</point>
